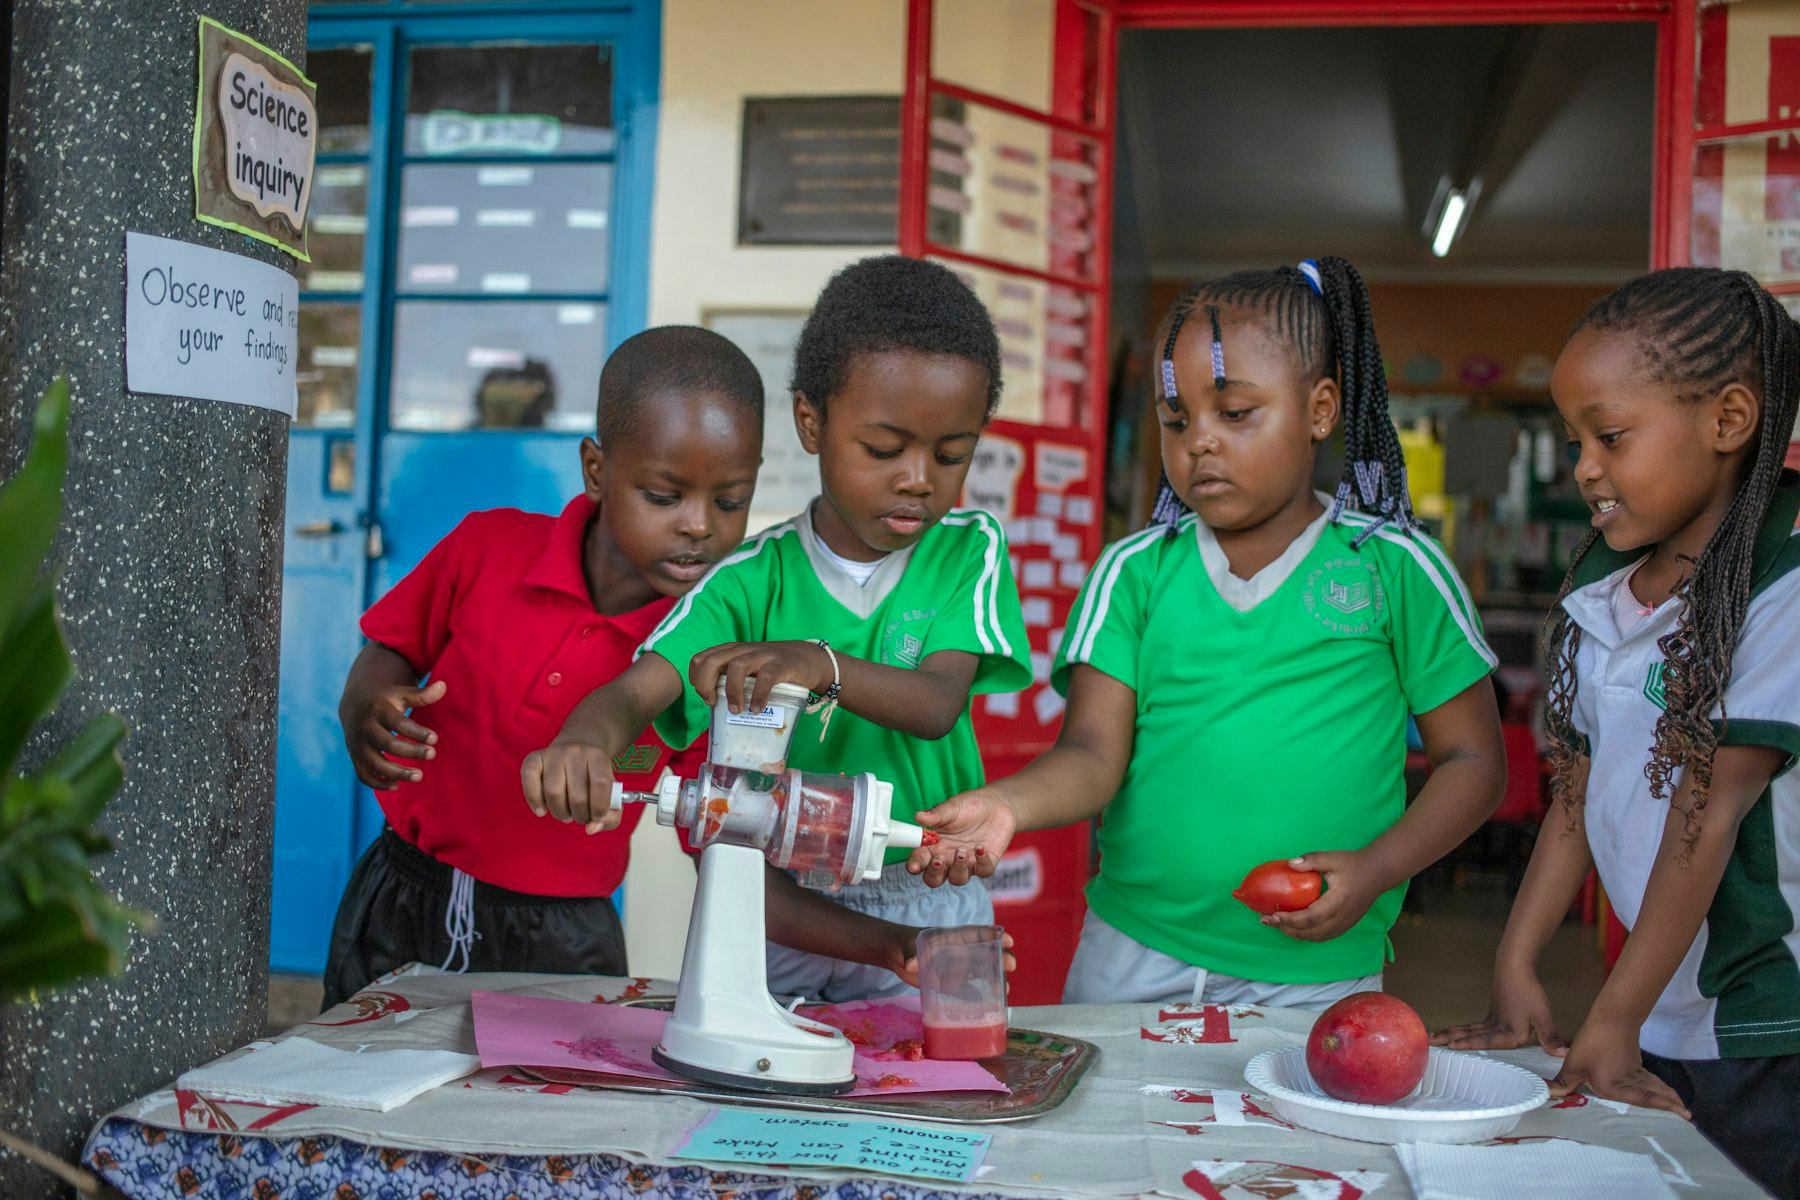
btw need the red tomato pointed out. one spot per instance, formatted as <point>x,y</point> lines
<point>1276,887</point>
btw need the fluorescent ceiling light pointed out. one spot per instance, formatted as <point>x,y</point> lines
<point>1449,222</point>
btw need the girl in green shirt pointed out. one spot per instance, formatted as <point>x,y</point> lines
<point>1240,674</point>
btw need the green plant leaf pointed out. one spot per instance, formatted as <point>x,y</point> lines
<point>56,945</point>
<point>89,765</point>
<point>34,669</point>
<point>31,504</point>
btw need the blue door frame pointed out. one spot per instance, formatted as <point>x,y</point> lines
<point>407,489</point>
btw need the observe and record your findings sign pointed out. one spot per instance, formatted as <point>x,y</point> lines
<point>208,324</point>
<point>256,135</point>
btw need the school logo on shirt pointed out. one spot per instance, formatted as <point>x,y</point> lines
<point>636,760</point>
<point>1654,690</point>
<point>903,641</point>
<point>1345,596</point>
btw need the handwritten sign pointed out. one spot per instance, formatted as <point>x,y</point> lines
<point>256,133</point>
<point>993,479</point>
<point>207,324</point>
<point>740,1135</point>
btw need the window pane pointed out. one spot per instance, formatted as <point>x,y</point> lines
<point>1044,334</point>
<point>505,229</point>
<point>1749,63</point>
<point>343,79</point>
<point>511,100</point>
<point>496,364</point>
<point>330,342</point>
<point>1002,47</point>
<point>335,229</point>
<point>1011,189</point>
<point>1747,206</point>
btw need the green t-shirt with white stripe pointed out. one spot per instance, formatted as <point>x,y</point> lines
<point>1271,722</point>
<point>1736,993</point>
<point>951,590</point>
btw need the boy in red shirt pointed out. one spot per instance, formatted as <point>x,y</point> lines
<point>515,617</point>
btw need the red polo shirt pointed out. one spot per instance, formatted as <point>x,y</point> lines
<point>499,610</point>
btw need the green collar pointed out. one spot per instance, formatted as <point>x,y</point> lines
<point>1776,553</point>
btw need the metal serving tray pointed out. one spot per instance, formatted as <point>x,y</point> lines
<point>1042,1070</point>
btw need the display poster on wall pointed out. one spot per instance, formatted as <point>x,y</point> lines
<point>256,126</point>
<point>209,325</point>
<point>789,478</point>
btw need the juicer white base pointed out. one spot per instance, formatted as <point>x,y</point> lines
<point>726,1028</point>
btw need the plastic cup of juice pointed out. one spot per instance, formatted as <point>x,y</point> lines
<point>962,991</point>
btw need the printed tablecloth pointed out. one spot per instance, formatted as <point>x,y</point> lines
<point>1165,1111</point>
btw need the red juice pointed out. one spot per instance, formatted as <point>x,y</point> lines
<point>965,1041</point>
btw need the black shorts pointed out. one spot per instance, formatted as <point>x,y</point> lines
<point>394,909</point>
<point>1747,1107</point>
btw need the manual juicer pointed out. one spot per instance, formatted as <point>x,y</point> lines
<point>745,809</point>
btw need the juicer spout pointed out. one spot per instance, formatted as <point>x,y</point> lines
<point>904,835</point>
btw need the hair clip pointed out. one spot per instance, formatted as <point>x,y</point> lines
<point>1218,349</point>
<point>1310,268</point>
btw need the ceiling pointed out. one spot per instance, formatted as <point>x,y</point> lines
<point>1253,147</point>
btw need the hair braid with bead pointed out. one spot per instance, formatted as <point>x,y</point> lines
<point>1321,310</point>
<point>1700,330</point>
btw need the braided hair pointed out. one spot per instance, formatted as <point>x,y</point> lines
<point>1700,330</point>
<point>1321,310</point>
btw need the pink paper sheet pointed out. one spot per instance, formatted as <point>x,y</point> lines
<point>532,1031</point>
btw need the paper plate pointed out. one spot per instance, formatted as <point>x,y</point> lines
<point>1462,1098</point>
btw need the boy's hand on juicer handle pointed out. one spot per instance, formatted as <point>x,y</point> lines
<point>571,781</point>
<point>376,725</point>
<point>768,663</point>
<point>1351,887</point>
<point>967,834</point>
<point>1518,1015</point>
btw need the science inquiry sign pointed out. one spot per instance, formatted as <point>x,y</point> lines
<point>256,134</point>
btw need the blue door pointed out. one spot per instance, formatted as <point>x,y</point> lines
<point>479,240</point>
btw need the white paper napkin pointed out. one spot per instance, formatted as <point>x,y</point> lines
<point>1540,1170</point>
<point>301,1071</point>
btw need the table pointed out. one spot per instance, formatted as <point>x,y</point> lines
<point>1165,1111</point>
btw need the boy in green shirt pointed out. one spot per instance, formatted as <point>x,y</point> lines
<point>1239,675</point>
<point>881,598</point>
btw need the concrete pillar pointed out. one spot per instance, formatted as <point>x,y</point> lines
<point>170,552</point>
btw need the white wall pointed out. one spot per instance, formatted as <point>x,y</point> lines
<point>715,53</point>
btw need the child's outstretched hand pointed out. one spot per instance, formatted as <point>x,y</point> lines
<point>1605,1057</point>
<point>571,781</point>
<point>1518,1015</point>
<point>376,725</point>
<point>1350,887</point>
<point>973,830</point>
<point>769,663</point>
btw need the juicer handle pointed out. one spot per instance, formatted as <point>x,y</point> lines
<point>666,798</point>
<point>621,796</point>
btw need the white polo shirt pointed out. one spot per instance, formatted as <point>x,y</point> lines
<point>1737,993</point>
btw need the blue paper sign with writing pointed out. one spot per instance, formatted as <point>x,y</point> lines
<point>740,1135</point>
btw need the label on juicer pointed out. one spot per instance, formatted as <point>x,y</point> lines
<point>769,718</point>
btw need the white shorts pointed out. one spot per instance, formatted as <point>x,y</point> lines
<point>1111,967</point>
<point>898,897</point>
